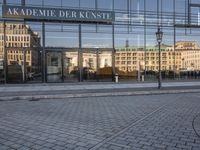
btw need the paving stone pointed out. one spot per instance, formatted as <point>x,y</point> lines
<point>84,123</point>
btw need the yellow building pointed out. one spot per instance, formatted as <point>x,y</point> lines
<point>19,37</point>
<point>185,57</point>
<point>188,54</point>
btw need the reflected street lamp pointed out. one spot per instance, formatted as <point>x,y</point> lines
<point>159,35</point>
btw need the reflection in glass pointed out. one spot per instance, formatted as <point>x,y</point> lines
<point>89,65</point>
<point>33,66</point>
<point>2,71</point>
<point>105,65</point>
<point>54,67</point>
<point>15,66</point>
<point>70,66</point>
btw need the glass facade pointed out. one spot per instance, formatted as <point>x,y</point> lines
<point>49,51</point>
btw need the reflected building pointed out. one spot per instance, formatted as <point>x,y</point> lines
<point>187,54</point>
<point>21,48</point>
<point>79,49</point>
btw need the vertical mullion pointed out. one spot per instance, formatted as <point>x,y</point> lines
<point>24,65</point>
<point>80,62</point>
<point>145,32</point>
<point>128,13</point>
<point>62,65</point>
<point>5,52</point>
<point>174,56</point>
<point>44,54</point>
<point>113,47</point>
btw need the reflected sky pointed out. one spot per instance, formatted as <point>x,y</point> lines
<point>133,26</point>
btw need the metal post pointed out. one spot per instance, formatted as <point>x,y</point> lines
<point>80,62</point>
<point>159,76</point>
<point>113,53</point>
<point>62,66</point>
<point>145,32</point>
<point>43,54</point>
<point>24,65</point>
<point>5,52</point>
<point>97,56</point>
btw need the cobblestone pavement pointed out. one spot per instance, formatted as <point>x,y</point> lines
<point>103,123</point>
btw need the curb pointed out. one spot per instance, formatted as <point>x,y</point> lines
<point>82,95</point>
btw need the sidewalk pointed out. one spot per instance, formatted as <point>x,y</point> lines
<point>64,90</point>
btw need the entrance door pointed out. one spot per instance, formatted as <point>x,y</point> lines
<point>54,66</point>
<point>97,65</point>
<point>70,66</point>
<point>89,65</point>
<point>62,66</point>
<point>105,69</point>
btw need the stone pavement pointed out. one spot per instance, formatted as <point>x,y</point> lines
<point>89,86</point>
<point>101,123</point>
<point>50,91</point>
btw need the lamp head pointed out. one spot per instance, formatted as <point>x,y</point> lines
<point>159,35</point>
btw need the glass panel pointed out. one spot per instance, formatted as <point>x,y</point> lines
<point>167,54</point>
<point>61,35</point>
<point>54,66</point>
<point>2,71</point>
<point>15,66</point>
<point>180,11</point>
<point>14,1</point>
<point>187,54</point>
<point>70,66</point>
<point>151,53</point>
<point>129,58</point>
<point>120,4</point>
<point>34,2</point>
<point>34,54</point>
<point>105,4</point>
<point>97,36</point>
<point>33,65</point>
<point>88,4</point>
<point>167,6</point>
<point>70,3</point>
<point>137,5</point>
<point>104,65</point>
<point>52,3</point>
<point>23,46</point>
<point>89,65</point>
<point>2,79</point>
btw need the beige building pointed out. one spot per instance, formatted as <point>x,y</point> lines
<point>188,56</point>
<point>185,57</point>
<point>19,37</point>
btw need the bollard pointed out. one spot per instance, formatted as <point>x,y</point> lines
<point>142,78</point>
<point>116,78</point>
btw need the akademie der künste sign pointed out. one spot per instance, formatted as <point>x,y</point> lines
<point>40,13</point>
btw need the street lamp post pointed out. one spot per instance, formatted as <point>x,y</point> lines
<point>159,35</point>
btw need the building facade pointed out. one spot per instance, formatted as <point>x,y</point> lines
<point>93,40</point>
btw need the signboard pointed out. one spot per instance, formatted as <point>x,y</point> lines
<point>56,14</point>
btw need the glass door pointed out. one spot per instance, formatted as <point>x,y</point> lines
<point>54,67</point>
<point>15,66</point>
<point>105,69</point>
<point>89,64</point>
<point>70,66</point>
